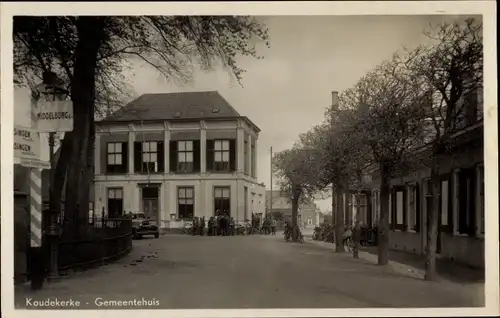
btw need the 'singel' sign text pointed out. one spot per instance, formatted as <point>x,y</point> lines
<point>26,143</point>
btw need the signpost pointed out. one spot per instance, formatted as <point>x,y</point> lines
<point>54,116</point>
<point>46,116</point>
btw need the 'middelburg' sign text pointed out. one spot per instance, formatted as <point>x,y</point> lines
<point>54,116</point>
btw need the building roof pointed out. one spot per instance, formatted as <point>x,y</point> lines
<point>165,106</point>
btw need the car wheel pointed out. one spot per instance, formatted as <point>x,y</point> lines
<point>157,235</point>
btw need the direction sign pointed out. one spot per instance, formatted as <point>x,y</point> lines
<point>54,116</point>
<point>32,163</point>
<point>26,143</point>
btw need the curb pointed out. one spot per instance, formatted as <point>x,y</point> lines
<point>397,267</point>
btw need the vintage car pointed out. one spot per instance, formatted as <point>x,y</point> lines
<point>142,225</point>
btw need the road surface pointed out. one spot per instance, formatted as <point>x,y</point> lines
<point>186,272</point>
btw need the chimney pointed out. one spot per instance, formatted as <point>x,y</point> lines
<point>335,100</point>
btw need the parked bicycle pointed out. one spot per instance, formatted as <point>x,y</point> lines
<point>288,234</point>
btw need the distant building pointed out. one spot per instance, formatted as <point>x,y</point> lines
<point>176,156</point>
<point>308,212</point>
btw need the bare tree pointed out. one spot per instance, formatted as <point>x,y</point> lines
<point>450,69</point>
<point>90,53</point>
<point>292,168</point>
<point>339,157</point>
<point>389,111</point>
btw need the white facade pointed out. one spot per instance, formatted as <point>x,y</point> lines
<point>202,182</point>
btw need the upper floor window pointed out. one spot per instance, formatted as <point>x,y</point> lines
<point>116,157</point>
<point>148,156</point>
<point>185,156</point>
<point>221,155</point>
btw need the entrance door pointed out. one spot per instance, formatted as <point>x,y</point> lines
<point>150,202</point>
<point>222,200</point>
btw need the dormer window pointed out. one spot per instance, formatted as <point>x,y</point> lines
<point>215,110</point>
<point>177,114</point>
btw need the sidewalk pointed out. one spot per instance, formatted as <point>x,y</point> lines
<point>414,265</point>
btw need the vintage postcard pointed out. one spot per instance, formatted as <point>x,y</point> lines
<point>251,159</point>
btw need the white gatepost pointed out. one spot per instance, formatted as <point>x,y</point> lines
<point>35,192</point>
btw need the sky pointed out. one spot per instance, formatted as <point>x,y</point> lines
<point>288,91</point>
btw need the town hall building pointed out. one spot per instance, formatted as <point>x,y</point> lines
<point>175,156</point>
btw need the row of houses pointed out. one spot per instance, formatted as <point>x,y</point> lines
<point>462,202</point>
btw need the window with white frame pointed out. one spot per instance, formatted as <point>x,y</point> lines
<point>185,162</point>
<point>115,202</point>
<point>399,208</point>
<point>150,156</point>
<point>221,155</point>
<point>115,160</point>
<point>185,202</point>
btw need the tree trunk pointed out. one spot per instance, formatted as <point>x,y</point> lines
<point>295,207</point>
<point>90,33</point>
<point>334,206</point>
<point>339,226</point>
<point>60,173</point>
<point>383,229</point>
<point>432,224</point>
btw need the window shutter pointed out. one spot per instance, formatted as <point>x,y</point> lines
<point>196,156</point>
<point>173,155</point>
<point>137,156</point>
<point>405,209</point>
<point>160,155</point>
<point>124,157</point>
<point>232,155</point>
<point>417,207</point>
<point>393,208</point>
<point>210,155</point>
<point>450,202</point>
<point>472,203</point>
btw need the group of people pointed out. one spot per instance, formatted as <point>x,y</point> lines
<point>219,225</point>
<point>269,225</point>
<point>223,225</point>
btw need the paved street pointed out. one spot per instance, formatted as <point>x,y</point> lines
<point>250,272</point>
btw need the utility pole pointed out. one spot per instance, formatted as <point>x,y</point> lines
<point>271,184</point>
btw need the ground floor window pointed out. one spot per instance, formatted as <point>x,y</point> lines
<point>222,199</point>
<point>185,199</point>
<point>399,207</point>
<point>466,201</point>
<point>115,202</point>
<point>412,208</point>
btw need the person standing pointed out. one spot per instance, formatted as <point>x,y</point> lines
<point>273,226</point>
<point>202,226</point>
<point>219,222</point>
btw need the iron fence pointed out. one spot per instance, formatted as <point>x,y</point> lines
<point>99,240</point>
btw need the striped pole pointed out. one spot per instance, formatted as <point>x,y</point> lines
<point>35,193</point>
